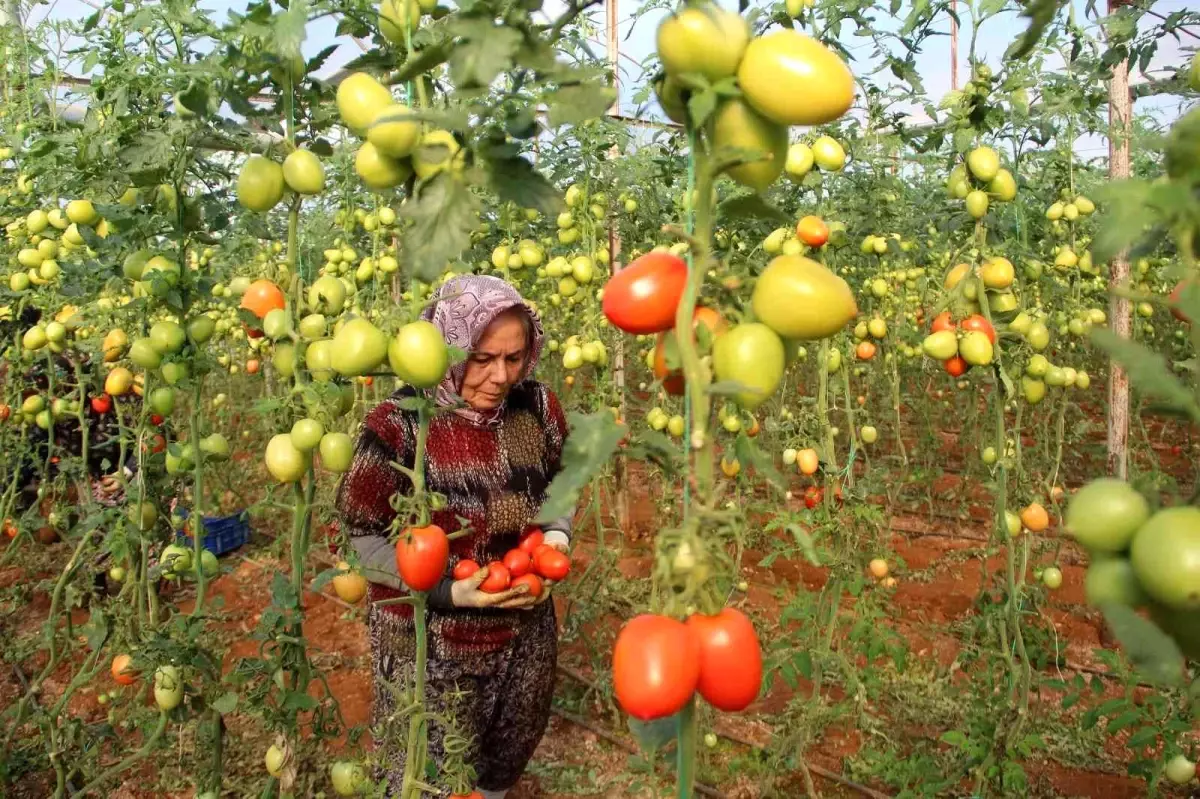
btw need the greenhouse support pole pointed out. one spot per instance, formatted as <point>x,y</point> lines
<point>953,45</point>
<point>1119,113</point>
<point>614,260</point>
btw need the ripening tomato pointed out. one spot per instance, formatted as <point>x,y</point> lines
<point>421,555</point>
<point>943,321</point>
<point>531,541</point>
<point>813,497</point>
<point>121,671</point>
<point>643,297</point>
<point>793,79</point>
<point>517,562</point>
<point>262,297</point>
<point>102,404</point>
<point>656,666</point>
<point>533,582</point>
<point>865,351</point>
<point>464,569</point>
<point>673,380</point>
<point>979,323</point>
<point>552,564</point>
<point>730,659</point>
<point>956,366</point>
<point>813,231</point>
<point>497,578</point>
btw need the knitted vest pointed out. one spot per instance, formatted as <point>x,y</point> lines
<point>493,478</point>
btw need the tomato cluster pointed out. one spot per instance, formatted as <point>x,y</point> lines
<point>659,663</point>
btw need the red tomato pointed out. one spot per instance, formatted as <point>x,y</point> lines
<point>813,497</point>
<point>643,297</point>
<point>552,564</point>
<point>5,412</point>
<point>517,562</point>
<point>102,404</point>
<point>156,419</point>
<point>532,580</point>
<point>813,231</point>
<point>942,321</point>
<point>464,569</point>
<point>532,540</point>
<point>979,322</point>
<point>421,555</point>
<point>730,659</point>
<point>497,580</point>
<point>656,666</point>
<point>956,366</point>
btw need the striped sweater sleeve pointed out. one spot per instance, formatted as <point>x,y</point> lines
<point>364,496</point>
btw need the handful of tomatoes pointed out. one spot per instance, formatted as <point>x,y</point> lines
<point>659,663</point>
<point>529,564</point>
<point>422,553</point>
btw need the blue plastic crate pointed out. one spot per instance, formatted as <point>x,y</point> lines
<point>221,533</point>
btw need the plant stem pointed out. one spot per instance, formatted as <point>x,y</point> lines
<point>685,751</point>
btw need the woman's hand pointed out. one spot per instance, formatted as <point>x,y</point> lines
<point>466,594</point>
<point>548,584</point>
<point>110,485</point>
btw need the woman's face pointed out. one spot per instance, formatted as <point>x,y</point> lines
<point>497,362</point>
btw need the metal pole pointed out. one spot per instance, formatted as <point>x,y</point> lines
<point>1119,113</point>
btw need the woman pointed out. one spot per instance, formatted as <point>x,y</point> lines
<point>491,657</point>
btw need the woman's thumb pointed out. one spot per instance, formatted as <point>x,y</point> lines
<point>478,577</point>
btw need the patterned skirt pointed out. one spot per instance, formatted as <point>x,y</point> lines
<point>494,687</point>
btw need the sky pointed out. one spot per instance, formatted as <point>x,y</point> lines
<point>637,43</point>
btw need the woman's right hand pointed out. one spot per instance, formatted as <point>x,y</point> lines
<point>466,594</point>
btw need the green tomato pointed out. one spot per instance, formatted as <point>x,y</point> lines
<point>336,451</point>
<point>1111,580</point>
<point>752,356</point>
<point>1105,514</point>
<point>1052,577</point>
<point>285,462</point>
<point>168,687</point>
<point>306,434</point>
<point>418,354</point>
<point>143,353</point>
<point>1166,557</point>
<point>167,337</point>
<point>162,401</point>
<point>348,778</point>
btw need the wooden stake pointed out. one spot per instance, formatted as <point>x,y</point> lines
<point>614,262</point>
<point>1119,113</point>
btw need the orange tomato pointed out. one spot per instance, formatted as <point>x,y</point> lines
<point>1035,518</point>
<point>754,429</point>
<point>121,671</point>
<point>252,366</point>
<point>807,461</point>
<point>10,529</point>
<point>865,351</point>
<point>262,297</point>
<point>813,231</point>
<point>673,381</point>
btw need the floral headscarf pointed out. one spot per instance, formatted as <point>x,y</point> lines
<point>462,310</point>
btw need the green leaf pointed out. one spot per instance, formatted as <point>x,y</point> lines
<point>1126,719</point>
<point>443,215</point>
<point>803,663</point>
<point>653,735</point>
<point>750,206</point>
<point>298,700</point>
<point>322,579</point>
<point>1148,371</point>
<point>954,738</point>
<point>1040,14</point>
<point>289,30</point>
<point>96,630</point>
<point>573,104</point>
<point>516,180</point>
<point>805,542</point>
<point>749,454</point>
<point>225,703</point>
<point>1146,736</point>
<point>484,51</point>
<point>1153,653</point>
<point>592,440</point>
<point>425,61</point>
